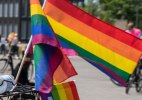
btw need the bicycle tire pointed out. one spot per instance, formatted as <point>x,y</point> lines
<point>6,69</point>
<point>116,83</point>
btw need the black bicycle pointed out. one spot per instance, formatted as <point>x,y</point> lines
<point>7,66</point>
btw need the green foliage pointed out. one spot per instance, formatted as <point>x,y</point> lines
<point>112,10</point>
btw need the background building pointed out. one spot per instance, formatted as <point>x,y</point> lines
<point>15,17</point>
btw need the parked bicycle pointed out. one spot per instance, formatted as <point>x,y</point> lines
<point>7,67</point>
<point>24,89</point>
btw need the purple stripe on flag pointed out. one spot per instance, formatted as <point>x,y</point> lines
<point>41,38</point>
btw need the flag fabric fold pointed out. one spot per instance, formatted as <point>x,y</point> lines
<point>114,51</point>
<point>47,51</point>
<point>64,70</point>
<point>46,60</point>
<point>63,91</point>
<point>67,49</point>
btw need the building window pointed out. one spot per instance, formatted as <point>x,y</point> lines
<point>16,27</point>
<point>0,28</point>
<point>0,9</point>
<point>16,10</point>
<point>24,8</point>
<point>23,29</point>
<point>5,29</point>
<point>5,9</point>
<point>29,29</point>
<point>10,30</point>
<point>11,9</point>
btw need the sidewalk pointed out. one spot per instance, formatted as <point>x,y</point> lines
<point>92,84</point>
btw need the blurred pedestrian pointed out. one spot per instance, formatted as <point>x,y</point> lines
<point>133,30</point>
<point>3,45</point>
<point>13,43</point>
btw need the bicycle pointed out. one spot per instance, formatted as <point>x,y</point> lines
<point>9,69</point>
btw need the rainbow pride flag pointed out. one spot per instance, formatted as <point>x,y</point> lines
<point>48,56</point>
<point>112,50</point>
<point>63,91</point>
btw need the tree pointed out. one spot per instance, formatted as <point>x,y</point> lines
<point>112,10</point>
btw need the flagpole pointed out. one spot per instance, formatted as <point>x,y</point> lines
<point>25,53</point>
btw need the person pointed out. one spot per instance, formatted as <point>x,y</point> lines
<point>3,45</point>
<point>13,42</point>
<point>133,30</point>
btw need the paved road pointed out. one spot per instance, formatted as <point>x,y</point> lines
<point>92,84</point>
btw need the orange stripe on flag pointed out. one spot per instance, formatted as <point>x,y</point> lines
<point>34,2</point>
<point>65,70</point>
<point>68,91</point>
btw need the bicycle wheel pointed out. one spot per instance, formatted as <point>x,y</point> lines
<point>5,67</point>
<point>115,82</point>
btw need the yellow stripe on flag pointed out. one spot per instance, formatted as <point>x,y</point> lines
<point>61,92</point>
<point>36,9</point>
